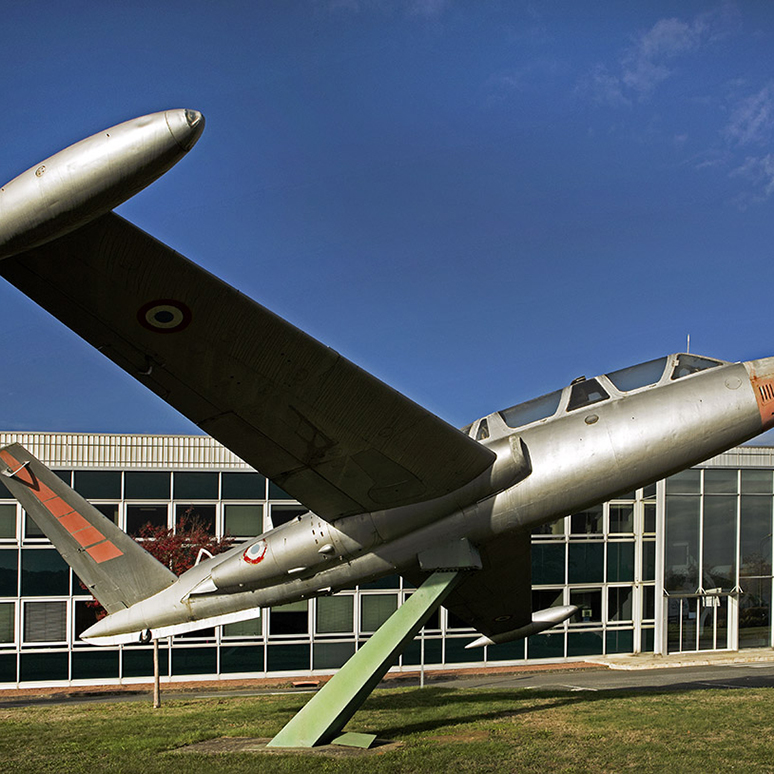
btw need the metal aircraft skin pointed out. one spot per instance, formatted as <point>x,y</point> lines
<point>390,487</point>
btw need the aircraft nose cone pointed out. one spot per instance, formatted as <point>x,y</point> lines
<point>762,380</point>
<point>186,126</point>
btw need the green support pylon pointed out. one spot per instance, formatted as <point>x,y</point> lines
<point>321,720</point>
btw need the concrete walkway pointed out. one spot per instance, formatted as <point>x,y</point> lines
<point>698,658</point>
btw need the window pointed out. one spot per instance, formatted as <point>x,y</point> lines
<point>98,484</point>
<point>243,520</point>
<point>533,410</point>
<point>243,486</point>
<point>335,615</point>
<point>691,364</point>
<point>622,518</point>
<point>483,430</point>
<point>146,485</point>
<point>586,393</point>
<point>7,520</point>
<point>282,514</point>
<point>619,603</point>
<point>137,516</point>
<point>635,377</point>
<point>249,628</point>
<point>44,573</point>
<point>45,621</point>
<point>196,514</point>
<point>7,610</point>
<point>588,522</point>
<point>589,602</point>
<point>290,619</point>
<point>196,486</point>
<point>375,609</point>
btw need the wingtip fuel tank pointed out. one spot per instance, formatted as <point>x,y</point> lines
<point>92,177</point>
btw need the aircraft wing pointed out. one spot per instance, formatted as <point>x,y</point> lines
<point>330,434</point>
<point>498,597</point>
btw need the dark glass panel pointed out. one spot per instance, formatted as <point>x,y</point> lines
<point>547,563</point>
<point>620,561</point>
<point>196,486</point>
<point>335,615</point>
<point>277,493</point>
<point>584,643</point>
<point>719,481</point>
<point>243,486</point>
<point>542,599</point>
<point>243,520</point>
<point>44,573</point>
<point>31,529</point>
<point>755,613</point>
<point>65,475</point>
<point>282,514</point>
<point>108,510</point>
<point>95,664</point>
<point>7,520</point>
<point>387,582</point>
<point>589,602</point>
<point>43,666</point>
<point>195,514</point>
<point>719,542</point>
<point>433,651</point>
<point>682,544</point>
<point>137,516</point>
<point>649,492</point>
<point>241,658</point>
<point>453,621</point>
<point>551,529</point>
<point>649,560</point>
<point>648,603</point>
<point>619,603</point>
<point>647,637</point>
<point>457,653</point>
<point>691,364</point>
<point>506,651</point>
<point>138,662</point>
<point>98,484</point>
<point>146,485</point>
<point>331,655</point>
<point>194,661</point>
<point>8,668</point>
<point>619,641</point>
<point>756,482</point>
<point>586,563</point>
<point>685,482</point>
<point>85,616</point>
<point>621,518</point>
<point>289,619</point>
<point>287,657</point>
<point>588,522</point>
<point>375,609</point>
<point>755,535</point>
<point>9,559</point>
<point>546,646</point>
<point>649,517</point>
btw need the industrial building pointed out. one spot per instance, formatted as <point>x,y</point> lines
<point>682,565</point>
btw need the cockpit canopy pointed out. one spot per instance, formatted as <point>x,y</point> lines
<point>586,392</point>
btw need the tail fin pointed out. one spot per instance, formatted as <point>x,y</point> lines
<point>116,569</point>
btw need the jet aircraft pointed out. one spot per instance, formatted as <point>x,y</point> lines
<point>390,487</point>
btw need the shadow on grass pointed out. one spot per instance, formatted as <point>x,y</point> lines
<point>471,705</point>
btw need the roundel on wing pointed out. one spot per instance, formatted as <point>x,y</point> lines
<point>164,315</point>
<point>255,553</point>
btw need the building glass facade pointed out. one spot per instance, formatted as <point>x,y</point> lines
<point>682,565</point>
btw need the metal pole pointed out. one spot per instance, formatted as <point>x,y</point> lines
<point>156,677</point>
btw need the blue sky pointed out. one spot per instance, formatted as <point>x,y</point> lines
<point>475,201</point>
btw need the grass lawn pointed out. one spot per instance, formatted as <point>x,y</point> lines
<point>442,730</point>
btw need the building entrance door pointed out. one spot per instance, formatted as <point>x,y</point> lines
<point>697,622</point>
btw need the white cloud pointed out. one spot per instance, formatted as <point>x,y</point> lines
<point>752,120</point>
<point>650,59</point>
<point>760,171</point>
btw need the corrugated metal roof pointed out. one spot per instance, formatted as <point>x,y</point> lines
<point>108,450</point>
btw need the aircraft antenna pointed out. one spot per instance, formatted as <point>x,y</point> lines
<point>688,344</point>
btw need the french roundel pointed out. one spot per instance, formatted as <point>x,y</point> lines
<point>255,553</point>
<point>164,315</point>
